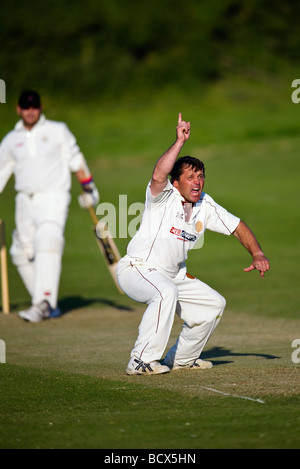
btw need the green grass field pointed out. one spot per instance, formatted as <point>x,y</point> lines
<point>64,384</point>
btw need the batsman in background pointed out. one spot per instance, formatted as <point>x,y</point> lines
<point>42,154</point>
<point>177,212</point>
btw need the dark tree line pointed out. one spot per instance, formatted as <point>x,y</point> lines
<point>95,47</point>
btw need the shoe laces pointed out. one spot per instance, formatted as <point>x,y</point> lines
<point>143,365</point>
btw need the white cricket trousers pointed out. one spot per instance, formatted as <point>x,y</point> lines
<point>38,242</point>
<point>197,304</point>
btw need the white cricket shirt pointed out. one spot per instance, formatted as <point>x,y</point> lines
<point>164,237</point>
<point>40,159</point>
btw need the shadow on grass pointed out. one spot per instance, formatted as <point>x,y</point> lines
<point>75,302</point>
<point>72,303</point>
<point>219,352</point>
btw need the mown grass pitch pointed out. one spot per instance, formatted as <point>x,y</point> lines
<point>64,384</point>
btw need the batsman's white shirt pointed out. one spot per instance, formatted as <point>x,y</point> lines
<point>40,159</point>
<point>165,237</point>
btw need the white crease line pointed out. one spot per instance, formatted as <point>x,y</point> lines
<point>234,395</point>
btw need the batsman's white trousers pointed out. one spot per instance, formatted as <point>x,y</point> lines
<point>38,242</point>
<point>197,304</point>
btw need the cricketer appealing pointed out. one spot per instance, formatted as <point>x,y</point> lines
<point>153,271</point>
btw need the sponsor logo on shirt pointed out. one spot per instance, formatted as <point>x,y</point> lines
<point>183,235</point>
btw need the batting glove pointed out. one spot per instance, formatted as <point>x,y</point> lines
<point>90,196</point>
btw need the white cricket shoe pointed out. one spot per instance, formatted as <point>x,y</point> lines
<point>36,313</point>
<point>197,364</point>
<point>138,367</point>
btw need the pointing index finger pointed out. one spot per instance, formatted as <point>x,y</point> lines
<point>179,118</point>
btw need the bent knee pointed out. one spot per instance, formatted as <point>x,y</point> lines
<point>220,302</point>
<point>20,253</point>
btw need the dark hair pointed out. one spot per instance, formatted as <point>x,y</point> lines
<point>177,169</point>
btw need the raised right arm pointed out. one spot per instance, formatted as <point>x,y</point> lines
<point>166,162</point>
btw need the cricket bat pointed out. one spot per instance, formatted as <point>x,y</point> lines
<point>107,246</point>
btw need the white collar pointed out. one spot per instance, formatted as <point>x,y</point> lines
<point>21,127</point>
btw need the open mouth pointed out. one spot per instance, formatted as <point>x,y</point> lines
<point>196,191</point>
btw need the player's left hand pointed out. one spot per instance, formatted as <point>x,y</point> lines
<point>261,263</point>
<point>90,197</point>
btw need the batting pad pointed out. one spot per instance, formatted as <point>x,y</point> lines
<point>46,277</point>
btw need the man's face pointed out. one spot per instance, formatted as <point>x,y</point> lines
<point>190,184</point>
<point>29,116</point>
